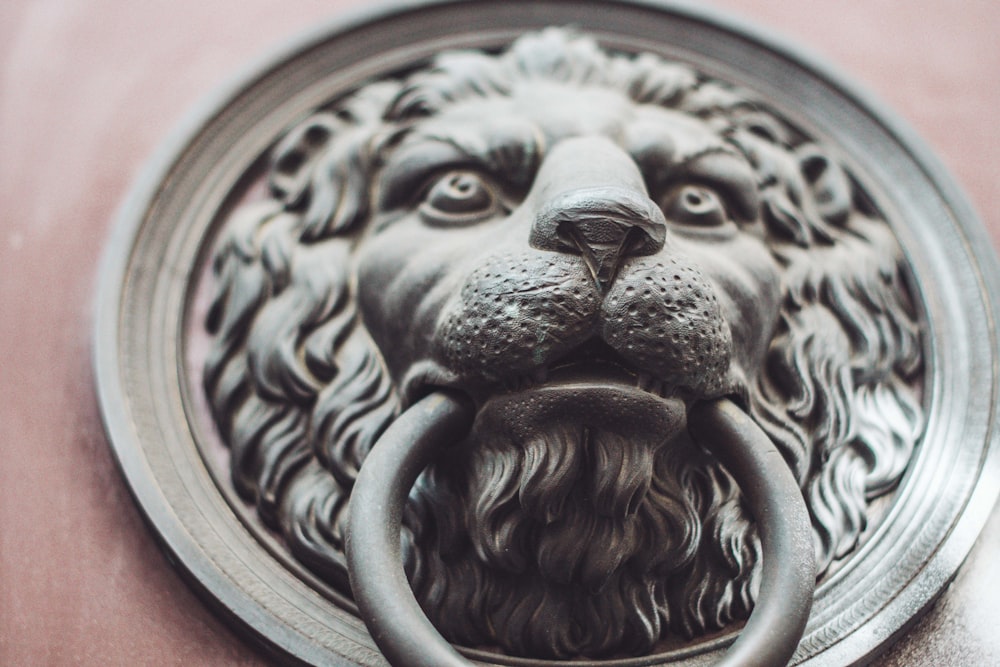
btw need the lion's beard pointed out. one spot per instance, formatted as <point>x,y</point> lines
<point>579,542</point>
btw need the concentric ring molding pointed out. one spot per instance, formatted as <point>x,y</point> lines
<point>153,262</point>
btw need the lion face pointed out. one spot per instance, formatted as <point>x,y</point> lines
<point>586,235</point>
<point>584,243</point>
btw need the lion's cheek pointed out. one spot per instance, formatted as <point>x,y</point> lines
<point>399,296</point>
<point>754,322</point>
<point>747,281</point>
<point>665,318</point>
<point>750,299</point>
<point>514,314</point>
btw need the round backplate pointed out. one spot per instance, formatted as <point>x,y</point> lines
<point>149,344</point>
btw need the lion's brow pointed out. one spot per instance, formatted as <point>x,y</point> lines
<point>511,155</point>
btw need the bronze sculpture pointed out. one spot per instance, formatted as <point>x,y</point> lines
<point>584,245</point>
<point>599,259</point>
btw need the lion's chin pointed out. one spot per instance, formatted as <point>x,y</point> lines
<point>561,505</point>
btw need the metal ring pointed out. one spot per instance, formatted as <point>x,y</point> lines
<point>374,559</point>
<point>403,633</point>
<point>788,580</point>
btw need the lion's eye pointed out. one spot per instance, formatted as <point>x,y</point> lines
<point>459,198</point>
<point>694,205</point>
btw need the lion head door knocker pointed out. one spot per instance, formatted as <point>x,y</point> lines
<point>545,345</point>
<point>643,346</point>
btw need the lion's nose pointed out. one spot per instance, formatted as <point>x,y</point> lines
<point>592,201</point>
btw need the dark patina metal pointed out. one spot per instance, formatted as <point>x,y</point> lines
<point>598,338</point>
<point>413,442</point>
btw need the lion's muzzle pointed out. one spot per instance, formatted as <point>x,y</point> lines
<point>598,267</point>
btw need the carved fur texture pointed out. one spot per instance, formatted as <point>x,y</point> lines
<point>570,540</point>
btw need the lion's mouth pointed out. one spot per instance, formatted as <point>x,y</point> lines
<point>594,362</point>
<point>590,385</point>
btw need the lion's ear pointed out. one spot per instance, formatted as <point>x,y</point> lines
<point>827,183</point>
<point>322,168</point>
<point>294,158</point>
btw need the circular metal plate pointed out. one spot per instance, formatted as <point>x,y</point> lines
<point>148,346</point>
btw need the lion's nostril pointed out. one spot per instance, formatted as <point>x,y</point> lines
<point>604,225</point>
<point>603,247</point>
<point>566,235</point>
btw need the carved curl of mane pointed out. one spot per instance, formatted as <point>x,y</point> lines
<point>299,391</point>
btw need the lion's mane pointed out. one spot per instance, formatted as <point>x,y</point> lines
<point>300,394</point>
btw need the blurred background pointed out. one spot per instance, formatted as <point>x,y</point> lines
<point>89,88</point>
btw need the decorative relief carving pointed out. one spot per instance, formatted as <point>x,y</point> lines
<point>584,244</point>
